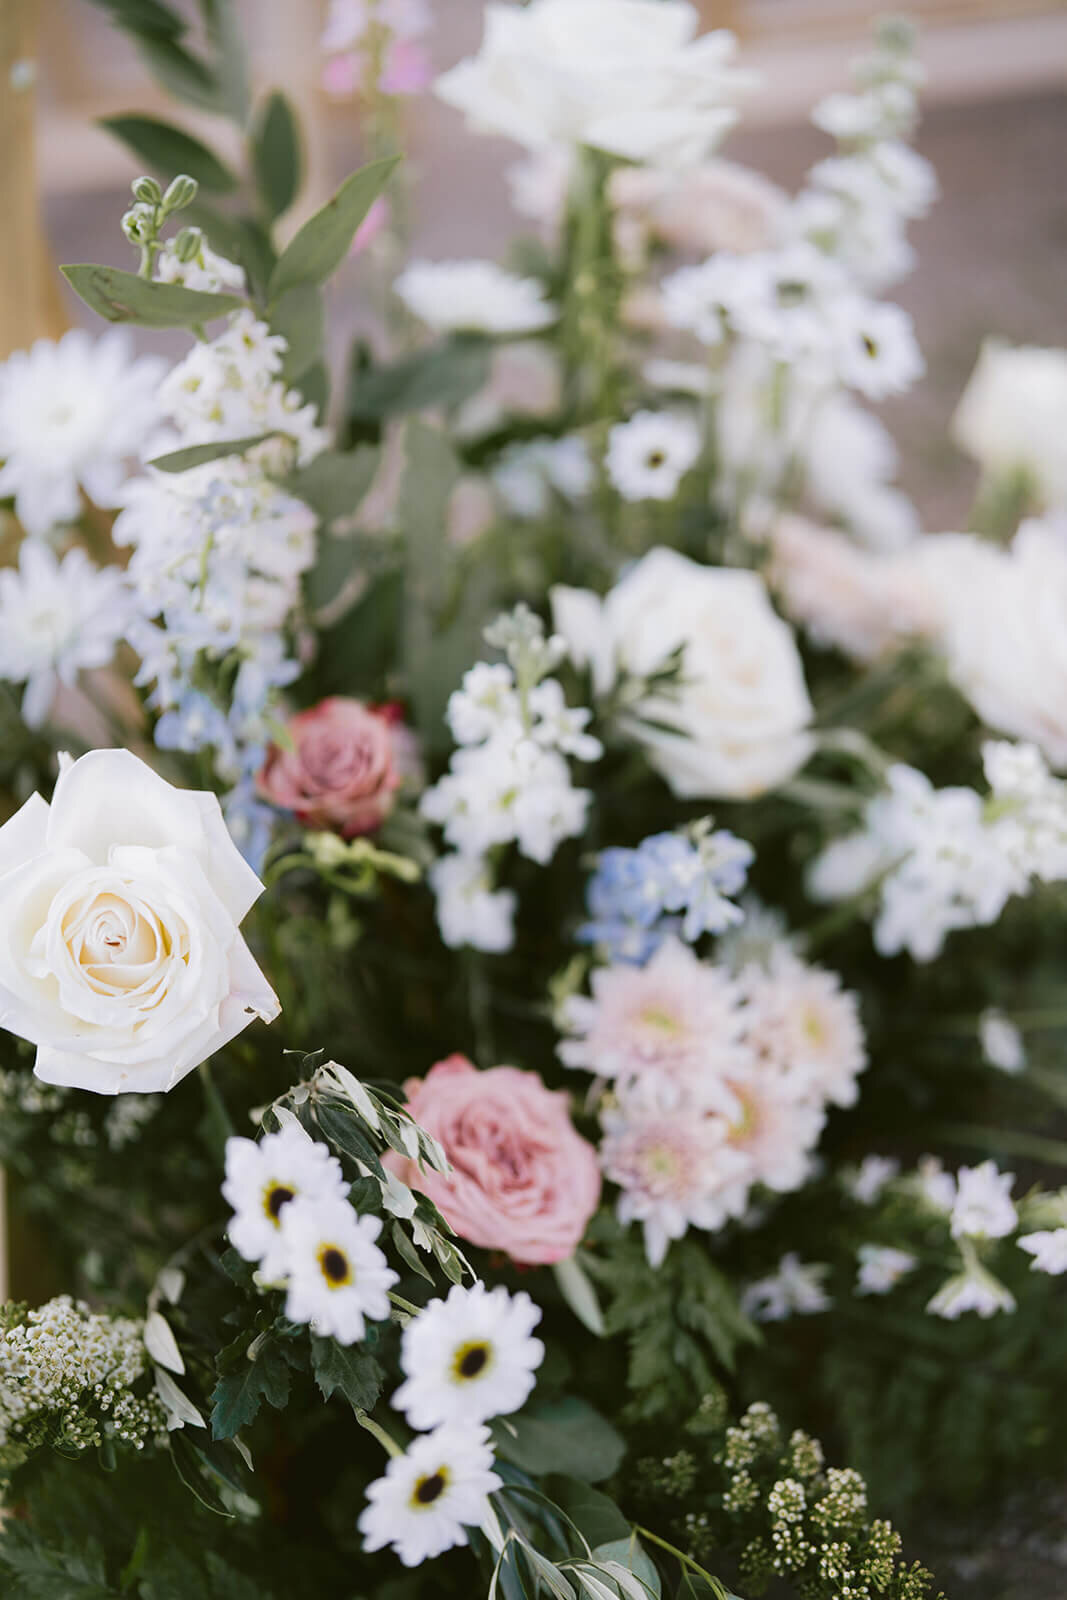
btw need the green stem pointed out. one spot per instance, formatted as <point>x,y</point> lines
<point>386,1440</point>
<point>720,1590</point>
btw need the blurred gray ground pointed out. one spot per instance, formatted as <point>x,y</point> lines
<point>992,254</point>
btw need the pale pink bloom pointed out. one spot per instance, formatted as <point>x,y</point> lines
<point>775,1129</point>
<point>716,206</point>
<point>801,1022</point>
<point>843,594</point>
<point>407,69</point>
<point>675,1169</point>
<point>374,223</point>
<point>341,75</point>
<point>340,769</point>
<point>522,1180</point>
<point>675,1022</point>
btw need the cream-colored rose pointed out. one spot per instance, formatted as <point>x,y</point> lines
<point>627,76</point>
<point>119,951</point>
<point>740,707</point>
<point>716,206</point>
<point>1013,416</point>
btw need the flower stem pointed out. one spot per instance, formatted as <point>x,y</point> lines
<point>386,1440</point>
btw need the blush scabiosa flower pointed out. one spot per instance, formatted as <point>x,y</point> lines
<point>469,1357</point>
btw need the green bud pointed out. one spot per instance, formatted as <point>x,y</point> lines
<point>147,190</point>
<point>186,244</point>
<point>139,223</point>
<point>180,193</point>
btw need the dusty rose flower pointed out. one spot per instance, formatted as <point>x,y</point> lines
<point>342,770</point>
<point>522,1180</point>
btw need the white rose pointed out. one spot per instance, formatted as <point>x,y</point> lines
<point>1013,416</point>
<point>626,76</point>
<point>741,706</point>
<point>119,951</point>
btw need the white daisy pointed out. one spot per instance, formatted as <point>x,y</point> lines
<point>71,414</point>
<point>261,1181</point>
<point>431,1494</point>
<point>337,1275</point>
<point>649,456</point>
<point>474,296</point>
<point>469,1358</point>
<point>1048,1248</point>
<point>56,618</point>
<point>875,349</point>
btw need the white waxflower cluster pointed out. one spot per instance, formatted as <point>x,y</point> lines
<point>509,782</point>
<point>466,1359</point>
<point>66,1375</point>
<point>943,859</point>
<point>719,1081</point>
<point>293,1217</point>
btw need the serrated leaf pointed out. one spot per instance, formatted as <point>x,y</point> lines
<point>324,240</point>
<point>336,481</point>
<point>276,155</point>
<point>124,297</point>
<point>564,1435</point>
<point>197,455</point>
<point>238,1395</point>
<point>349,1370</point>
<point>170,150</point>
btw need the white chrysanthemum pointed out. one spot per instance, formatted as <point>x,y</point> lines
<point>794,1290</point>
<point>775,1126</point>
<point>648,456</point>
<point>1048,1248</point>
<point>71,414</point>
<point>337,1275</point>
<point>56,618</point>
<point>477,296</point>
<point>882,1267</point>
<point>799,1020</point>
<point>469,1358</point>
<point>263,1179</point>
<point>983,1207</point>
<point>1002,1043</point>
<point>431,1494</point>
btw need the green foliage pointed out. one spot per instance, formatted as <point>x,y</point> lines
<point>213,82</point>
<point>324,240</point>
<point>440,377</point>
<point>36,1571</point>
<point>124,297</point>
<point>336,481</point>
<point>276,155</point>
<point>564,1435</point>
<point>349,1370</point>
<point>170,150</point>
<point>197,455</point>
<point>298,316</point>
<point>239,1394</point>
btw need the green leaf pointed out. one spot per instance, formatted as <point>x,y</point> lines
<point>631,1554</point>
<point>44,1572</point>
<point>124,297</point>
<point>324,240</point>
<point>298,316</point>
<point>442,377</point>
<point>345,1133</point>
<point>189,1467</point>
<point>276,155</point>
<point>170,150</point>
<point>197,455</point>
<point>562,1435</point>
<point>579,1294</point>
<point>592,1512</point>
<point>239,239</point>
<point>238,1395</point>
<point>231,60</point>
<point>182,74</point>
<point>348,1369</point>
<point>335,482</point>
<point>148,18</point>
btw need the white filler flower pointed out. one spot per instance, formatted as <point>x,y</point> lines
<point>337,1275</point>
<point>263,1179</point>
<point>119,951</point>
<point>430,1495</point>
<point>56,618</point>
<point>469,1358</point>
<point>474,296</point>
<point>649,456</point>
<point>71,414</point>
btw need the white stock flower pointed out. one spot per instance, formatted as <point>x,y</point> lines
<point>1002,1043</point>
<point>882,1267</point>
<point>71,415</point>
<point>1011,416</point>
<point>740,705</point>
<point>120,956</point>
<point>431,1494</point>
<point>1048,1248</point>
<point>973,1289</point>
<point>983,1207</point>
<point>469,1357</point>
<point>207,271</point>
<point>648,457</point>
<point>56,618</point>
<point>262,1179</point>
<point>795,1289</point>
<point>626,76</point>
<point>476,296</point>
<point>337,1276</point>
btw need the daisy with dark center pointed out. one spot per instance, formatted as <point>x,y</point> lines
<point>469,1358</point>
<point>261,1182</point>
<point>649,456</point>
<point>337,1275</point>
<point>431,1494</point>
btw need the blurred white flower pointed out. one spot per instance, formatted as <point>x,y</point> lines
<point>648,456</point>
<point>794,1290</point>
<point>473,296</point>
<point>882,1267</point>
<point>1013,415</point>
<point>470,910</point>
<point>1002,1043</point>
<point>1048,1248</point>
<point>983,1207</point>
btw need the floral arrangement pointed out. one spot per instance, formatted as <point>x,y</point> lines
<point>666,836</point>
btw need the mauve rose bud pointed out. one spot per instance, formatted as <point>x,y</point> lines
<point>342,771</point>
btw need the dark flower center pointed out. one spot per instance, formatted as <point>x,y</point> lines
<point>427,1490</point>
<point>334,1264</point>
<point>472,1361</point>
<point>656,458</point>
<point>277,1197</point>
<point>870,346</point>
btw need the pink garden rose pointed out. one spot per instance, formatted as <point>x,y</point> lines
<point>342,770</point>
<point>522,1180</point>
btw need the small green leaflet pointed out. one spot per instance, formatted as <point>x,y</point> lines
<point>348,1369</point>
<point>171,150</point>
<point>124,297</point>
<point>239,1394</point>
<point>197,455</point>
<point>324,240</point>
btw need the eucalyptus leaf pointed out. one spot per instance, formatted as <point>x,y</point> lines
<point>170,150</point>
<point>561,1435</point>
<point>630,1554</point>
<point>579,1294</point>
<point>189,1467</point>
<point>324,240</point>
<point>299,317</point>
<point>197,455</point>
<point>442,377</point>
<point>124,297</point>
<point>336,481</point>
<point>276,155</point>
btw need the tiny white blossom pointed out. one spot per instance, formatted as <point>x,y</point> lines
<point>431,1494</point>
<point>882,1267</point>
<point>470,911</point>
<point>866,1183</point>
<point>1048,1248</point>
<point>469,1358</point>
<point>1002,1043</point>
<point>794,1290</point>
